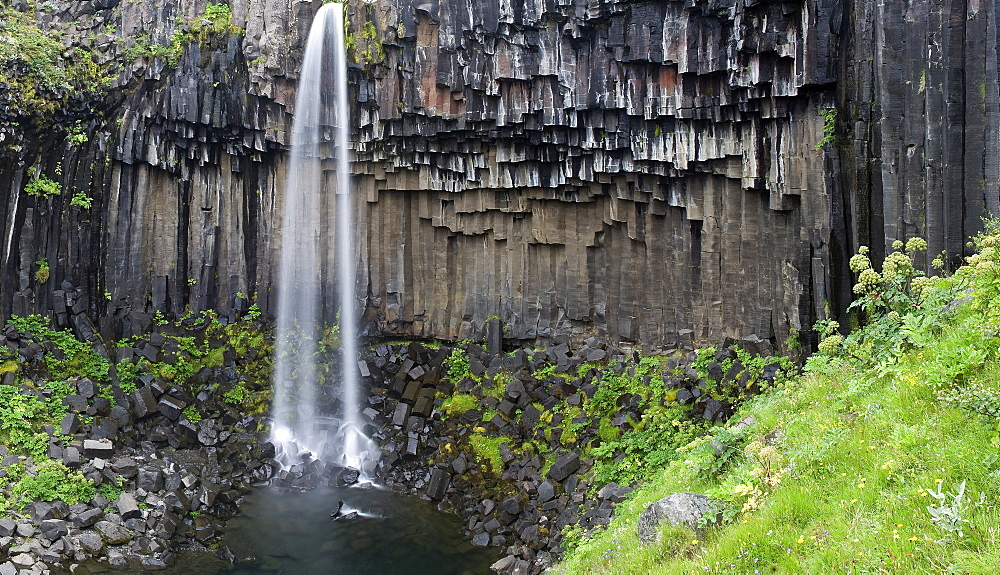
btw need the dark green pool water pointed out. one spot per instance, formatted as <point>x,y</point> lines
<point>292,533</point>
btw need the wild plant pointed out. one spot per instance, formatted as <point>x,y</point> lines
<point>948,513</point>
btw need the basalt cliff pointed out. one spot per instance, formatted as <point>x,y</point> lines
<point>656,172</point>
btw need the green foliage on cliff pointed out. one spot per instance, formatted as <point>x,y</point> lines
<point>42,187</point>
<point>38,71</point>
<point>365,47</point>
<point>881,458</point>
<point>829,128</point>
<point>81,200</point>
<point>216,21</point>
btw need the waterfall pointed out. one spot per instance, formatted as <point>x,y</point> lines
<point>302,429</point>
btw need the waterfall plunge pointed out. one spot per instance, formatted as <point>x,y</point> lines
<point>301,430</point>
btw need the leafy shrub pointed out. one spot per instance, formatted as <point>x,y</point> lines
<point>458,366</point>
<point>112,491</point>
<point>76,135</point>
<point>192,414</point>
<point>42,273</point>
<point>238,394</point>
<point>42,187</point>
<point>643,381</point>
<point>53,480</point>
<point>81,200</point>
<point>653,444</point>
<point>20,416</point>
<point>892,309</point>
<point>829,128</point>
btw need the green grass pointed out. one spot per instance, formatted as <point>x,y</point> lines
<point>854,496</point>
<point>458,404</point>
<point>487,450</point>
<point>838,471</point>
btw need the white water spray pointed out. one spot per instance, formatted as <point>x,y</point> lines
<point>300,430</point>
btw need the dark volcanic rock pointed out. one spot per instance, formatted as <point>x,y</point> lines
<point>53,529</point>
<point>571,145</point>
<point>438,484</point>
<point>564,465</point>
<point>112,533</point>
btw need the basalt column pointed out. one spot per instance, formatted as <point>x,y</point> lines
<point>645,171</point>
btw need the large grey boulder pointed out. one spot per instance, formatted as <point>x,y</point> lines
<point>112,533</point>
<point>679,509</point>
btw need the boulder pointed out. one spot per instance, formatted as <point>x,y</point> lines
<point>42,510</point>
<point>679,509</point>
<point>75,403</point>
<point>481,539</point>
<point>564,466</point>
<point>171,407</point>
<point>71,456</point>
<point>143,402</point>
<point>53,529</point>
<point>90,542</point>
<point>127,506</point>
<point>98,448</point>
<point>438,484</point>
<point>88,517</point>
<point>7,526</point>
<point>150,479</point>
<point>69,424</point>
<point>112,533</point>
<point>86,387</point>
<point>349,476</point>
<point>546,491</point>
<point>614,492</point>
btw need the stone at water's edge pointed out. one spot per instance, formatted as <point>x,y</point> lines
<point>439,484</point>
<point>679,509</point>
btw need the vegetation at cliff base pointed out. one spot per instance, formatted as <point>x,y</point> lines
<point>881,458</point>
<point>34,401</point>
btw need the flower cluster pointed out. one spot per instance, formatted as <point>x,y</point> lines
<point>859,261</point>
<point>895,264</point>
<point>891,288</point>
<point>765,476</point>
<point>831,345</point>
<point>920,285</point>
<point>914,245</point>
<point>869,282</point>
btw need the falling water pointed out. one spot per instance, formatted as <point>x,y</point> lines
<point>301,430</point>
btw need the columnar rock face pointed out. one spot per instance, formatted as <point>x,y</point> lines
<point>919,111</point>
<point>646,171</point>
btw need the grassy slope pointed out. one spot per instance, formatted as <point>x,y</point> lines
<point>858,444</point>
